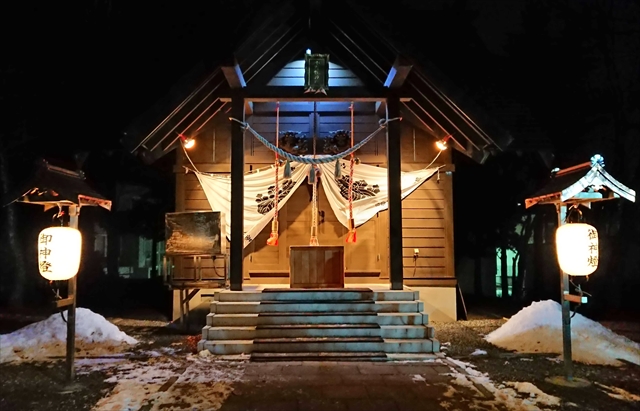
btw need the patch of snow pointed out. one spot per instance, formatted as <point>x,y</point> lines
<point>538,329</point>
<point>535,392</point>
<point>48,338</point>
<point>619,393</point>
<point>161,383</point>
<point>417,378</point>
<point>522,397</point>
<point>479,352</point>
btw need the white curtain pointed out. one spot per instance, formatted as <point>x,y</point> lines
<point>370,189</point>
<point>257,214</point>
<point>369,192</point>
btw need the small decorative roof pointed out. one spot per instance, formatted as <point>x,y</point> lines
<point>587,182</point>
<point>53,186</point>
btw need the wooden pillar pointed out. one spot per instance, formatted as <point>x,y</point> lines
<point>237,194</point>
<point>395,194</point>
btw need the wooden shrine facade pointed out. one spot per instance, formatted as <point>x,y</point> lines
<point>364,69</point>
<point>425,216</point>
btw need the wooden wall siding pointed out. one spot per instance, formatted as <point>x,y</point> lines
<point>427,214</point>
<point>426,222</point>
<point>293,75</point>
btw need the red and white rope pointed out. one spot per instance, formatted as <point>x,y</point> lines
<point>275,199</point>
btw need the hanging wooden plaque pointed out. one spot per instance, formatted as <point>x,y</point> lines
<point>316,73</point>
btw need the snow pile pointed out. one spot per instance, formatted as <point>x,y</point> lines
<point>197,384</point>
<point>514,396</point>
<point>48,338</point>
<point>538,329</point>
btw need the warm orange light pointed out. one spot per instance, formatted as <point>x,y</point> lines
<point>442,144</point>
<point>188,142</point>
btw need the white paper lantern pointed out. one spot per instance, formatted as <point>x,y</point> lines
<point>59,250</point>
<point>577,248</point>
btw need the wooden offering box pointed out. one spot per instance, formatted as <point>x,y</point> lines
<point>316,266</point>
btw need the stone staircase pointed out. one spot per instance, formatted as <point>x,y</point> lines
<point>319,324</point>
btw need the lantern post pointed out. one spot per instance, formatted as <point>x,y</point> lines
<point>566,308</point>
<point>71,316</point>
<point>64,188</point>
<point>581,184</point>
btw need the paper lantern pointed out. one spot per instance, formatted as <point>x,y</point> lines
<point>59,250</point>
<point>577,248</point>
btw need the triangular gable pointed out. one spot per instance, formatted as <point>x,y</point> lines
<point>293,75</point>
<point>273,55</point>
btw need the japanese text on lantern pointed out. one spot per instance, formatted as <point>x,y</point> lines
<point>45,265</point>
<point>592,259</point>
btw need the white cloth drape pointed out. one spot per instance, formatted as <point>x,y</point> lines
<point>376,179</point>
<point>370,192</point>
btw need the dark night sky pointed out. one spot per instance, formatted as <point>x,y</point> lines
<point>85,71</point>
<point>80,71</point>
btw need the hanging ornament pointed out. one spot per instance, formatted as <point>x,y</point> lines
<point>312,175</point>
<point>287,169</point>
<point>316,73</point>
<point>273,237</point>
<point>337,169</point>
<point>351,235</point>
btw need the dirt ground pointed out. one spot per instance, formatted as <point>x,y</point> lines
<point>41,386</point>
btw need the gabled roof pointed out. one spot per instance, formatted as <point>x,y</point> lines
<point>429,100</point>
<point>586,182</point>
<point>51,186</point>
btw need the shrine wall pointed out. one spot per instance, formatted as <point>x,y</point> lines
<point>427,212</point>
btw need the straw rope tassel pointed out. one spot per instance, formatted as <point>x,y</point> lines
<point>351,236</point>
<point>273,237</point>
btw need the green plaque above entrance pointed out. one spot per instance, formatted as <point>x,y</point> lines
<point>316,73</point>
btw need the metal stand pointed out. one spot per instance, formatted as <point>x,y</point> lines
<point>188,287</point>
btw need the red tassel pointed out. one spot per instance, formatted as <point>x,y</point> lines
<point>351,236</point>
<point>273,237</point>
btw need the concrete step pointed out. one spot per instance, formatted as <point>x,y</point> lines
<point>298,345</point>
<point>396,295</point>
<point>322,344</point>
<point>219,320</point>
<point>247,307</point>
<point>227,347</point>
<point>402,319</point>
<point>293,331</point>
<point>397,346</point>
<point>406,331</point>
<point>287,294</point>
<point>320,356</point>
<point>290,307</point>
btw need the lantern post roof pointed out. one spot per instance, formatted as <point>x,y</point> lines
<point>583,183</point>
<point>54,186</point>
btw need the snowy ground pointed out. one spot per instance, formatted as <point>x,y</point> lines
<point>146,369</point>
<point>46,339</point>
<point>538,329</point>
<point>186,382</point>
